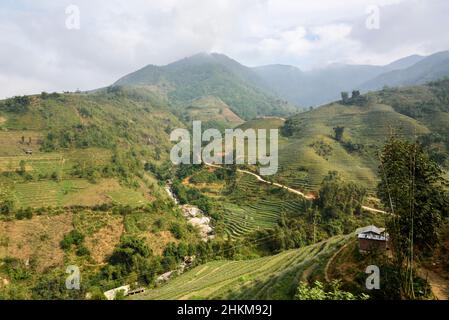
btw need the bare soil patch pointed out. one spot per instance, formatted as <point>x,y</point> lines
<point>158,241</point>
<point>102,243</point>
<point>36,240</point>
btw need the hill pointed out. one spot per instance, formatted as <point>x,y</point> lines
<point>214,75</point>
<point>81,149</point>
<point>309,149</point>
<point>273,277</point>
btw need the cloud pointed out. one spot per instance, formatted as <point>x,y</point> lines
<point>37,51</point>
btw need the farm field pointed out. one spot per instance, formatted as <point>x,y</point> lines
<point>259,210</point>
<point>47,163</point>
<point>240,220</point>
<point>273,277</point>
<point>11,142</point>
<point>74,192</point>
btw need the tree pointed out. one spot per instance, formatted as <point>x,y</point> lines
<point>339,131</point>
<point>345,97</point>
<point>129,248</point>
<point>412,188</point>
<point>355,94</point>
<point>7,207</point>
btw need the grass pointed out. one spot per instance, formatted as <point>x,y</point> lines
<point>127,196</point>
<point>46,193</point>
<point>273,277</point>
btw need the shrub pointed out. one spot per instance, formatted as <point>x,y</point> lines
<point>82,251</point>
<point>74,237</point>
<point>7,207</point>
<point>177,231</point>
<point>24,214</point>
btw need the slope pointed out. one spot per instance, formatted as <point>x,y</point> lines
<point>431,68</point>
<point>310,149</point>
<point>273,277</point>
<point>215,75</point>
<point>315,87</point>
<point>81,149</point>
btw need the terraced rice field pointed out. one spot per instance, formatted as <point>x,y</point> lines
<point>47,163</point>
<point>74,191</point>
<point>273,277</point>
<point>37,163</point>
<point>45,193</point>
<point>257,213</point>
<point>240,220</point>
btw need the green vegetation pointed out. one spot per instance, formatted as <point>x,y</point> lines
<point>414,191</point>
<point>273,277</point>
<point>205,75</point>
<point>16,104</point>
<point>355,131</point>
<point>319,292</point>
<point>83,179</point>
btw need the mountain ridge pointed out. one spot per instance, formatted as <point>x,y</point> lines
<point>274,89</point>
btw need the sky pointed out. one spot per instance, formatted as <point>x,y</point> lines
<point>48,45</point>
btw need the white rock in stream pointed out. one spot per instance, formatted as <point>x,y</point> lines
<point>191,211</point>
<point>170,193</point>
<point>195,216</point>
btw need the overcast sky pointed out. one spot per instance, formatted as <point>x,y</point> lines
<point>38,52</point>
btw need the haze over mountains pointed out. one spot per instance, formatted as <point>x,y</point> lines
<point>274,89</point>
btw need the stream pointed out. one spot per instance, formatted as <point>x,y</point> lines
<point>194,215</point>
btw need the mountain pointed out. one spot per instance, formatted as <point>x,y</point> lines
<point>320,86</point>
<point>404,62</point>
<point>431,68</point>
<point>315,87</point>
<point>216,75</point>
<point>264,90</point>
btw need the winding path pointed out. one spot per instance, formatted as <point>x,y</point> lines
<point>308,197</point>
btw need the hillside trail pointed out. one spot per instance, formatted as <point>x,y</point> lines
<point>308,197</point>
<point>331,261</point>
<point>438,285</point>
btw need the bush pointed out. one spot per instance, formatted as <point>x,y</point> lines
<point>177,231</point>
<point>74,237</point>
<point>16,104</point>
<point>7,207</point>
<point>24,214</point>
<point>82,251</point>
<point>319,292</point>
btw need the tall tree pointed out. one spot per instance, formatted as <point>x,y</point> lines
<point>412,190</point>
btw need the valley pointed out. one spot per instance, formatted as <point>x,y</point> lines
<point>86,179</point>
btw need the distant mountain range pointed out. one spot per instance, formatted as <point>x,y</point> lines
<point>276,89</point>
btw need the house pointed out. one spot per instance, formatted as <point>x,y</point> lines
<point>111,294</point>
<point>28,151</point>
<point>372,238</point>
